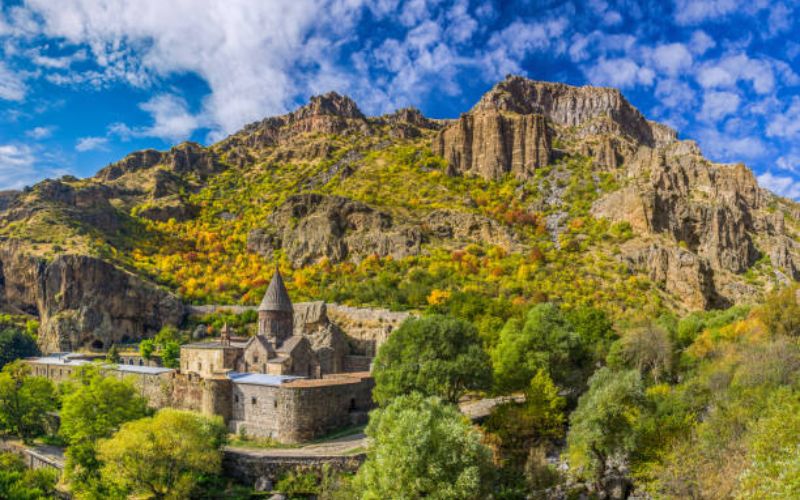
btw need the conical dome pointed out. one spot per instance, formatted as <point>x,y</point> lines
<point>276,298</point>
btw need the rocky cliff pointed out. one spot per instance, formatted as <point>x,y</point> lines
<point>710,214</point>
<point>83,302</point>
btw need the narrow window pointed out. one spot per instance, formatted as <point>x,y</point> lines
<point>236,399</point>
<point>254,400</point>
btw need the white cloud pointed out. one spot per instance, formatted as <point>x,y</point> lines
<point>249,54</point>
<point>783,185</point>
<point>12,86</point>
<point>789,162</point>
<point>672,59</point>
<point>780,19</point>
<point>39,133</point>
<point>786,124</point>
<point>701,43</point>
<point>172,120</point>
<point>730,147</point>
<point>688,12</point>
<point>17,166</point>
<point>91,144</point>
<point>620,72</point>
<point>508,47</point>
<point>717,105</point>
<point>727,71</point>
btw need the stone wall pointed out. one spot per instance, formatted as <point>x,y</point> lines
<point>206,362</point>
<point>314,408</point>
<point>138,360</point>
<point>56,373</point>
<point>366,328</point>
<point>301,410</point>
<point>252,467</point>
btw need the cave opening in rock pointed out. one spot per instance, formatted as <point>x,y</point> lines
<point>97,344</point>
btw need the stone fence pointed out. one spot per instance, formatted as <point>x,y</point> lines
<point>262,471</point>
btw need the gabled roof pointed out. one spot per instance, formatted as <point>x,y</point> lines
<point>263,341</point>
<point>290,344</point>
<point>276,298</point>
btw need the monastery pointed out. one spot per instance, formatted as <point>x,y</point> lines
<point>297,379</point>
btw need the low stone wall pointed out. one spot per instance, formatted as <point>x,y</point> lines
<point>252,468</point>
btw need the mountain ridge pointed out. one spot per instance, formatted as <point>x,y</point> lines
<point>574,174</point>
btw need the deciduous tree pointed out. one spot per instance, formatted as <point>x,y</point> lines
<point>24,400</point>
<point>434,355</point>
<point>163,456</point>
<point>422,448</point>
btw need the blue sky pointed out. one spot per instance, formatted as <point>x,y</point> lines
<point>83,82</point>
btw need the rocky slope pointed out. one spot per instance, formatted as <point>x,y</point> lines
<point>523,196</point>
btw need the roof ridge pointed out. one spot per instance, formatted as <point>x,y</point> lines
<point>276,298</point>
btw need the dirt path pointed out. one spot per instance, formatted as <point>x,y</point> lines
<point>346,445</point>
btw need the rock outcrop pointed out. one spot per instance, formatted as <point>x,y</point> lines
<point>83,302</point>
<point>710,214</point>
<point>490,144</point>
<point>466,227</point>
<point>311,226</point>
<point>185,158</point>
<point>330,113</point>
<point>511,129</point>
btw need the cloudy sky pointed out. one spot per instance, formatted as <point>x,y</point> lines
<point>83,82</point>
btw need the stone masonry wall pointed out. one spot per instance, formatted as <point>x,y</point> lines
<point>249,468</point>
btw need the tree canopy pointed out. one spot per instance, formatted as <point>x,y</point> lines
<point>164,456</point>
<point>423,448</point>
<point>603,424</point>
<point>16,344</point>
<point>24,400</point>
<point>18,482</point>
<point>95,407</point>
<point>545,340</point>
<point>434,355</point>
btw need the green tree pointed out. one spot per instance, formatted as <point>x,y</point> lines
<point>96,408</point>
<point>594,327</point>
<point>16,344</point>
<point>24,400</point>
<point>422,448</point>
<point>520,426</point>
<point>18,482</point>
<point>781,312</point>
<point>544,341</point>
<point>146,348</point>
<point>170,354</point>
<point>112,356</point>
<point>163,456</point>
<point>434,355</point>
<point>603,424</point>
<point>168,334</point>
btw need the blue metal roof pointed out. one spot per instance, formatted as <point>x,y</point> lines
<point>260,378</point>
<point>148,370</point>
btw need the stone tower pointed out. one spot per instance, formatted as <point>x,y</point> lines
<point>275,314</point>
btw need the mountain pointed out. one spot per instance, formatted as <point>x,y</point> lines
<point>542,191</point>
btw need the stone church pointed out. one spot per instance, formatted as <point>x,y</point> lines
<point>277,349</point>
